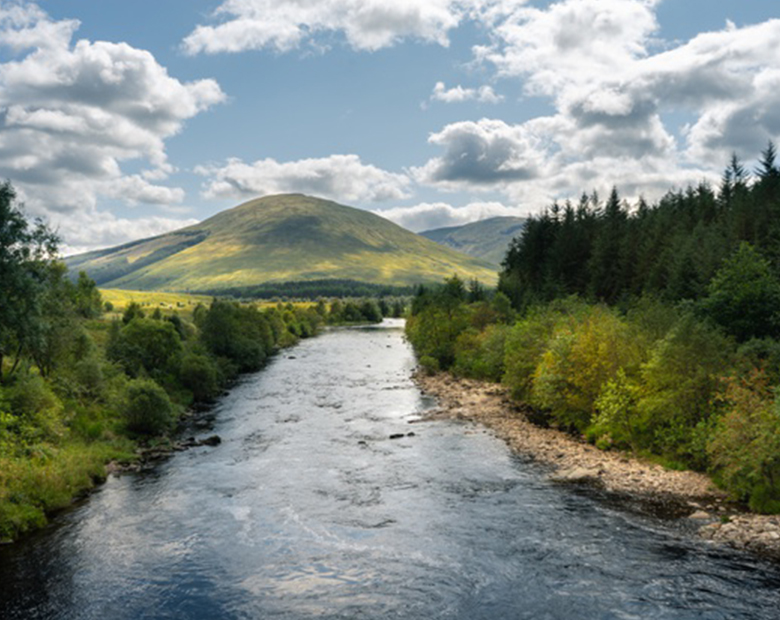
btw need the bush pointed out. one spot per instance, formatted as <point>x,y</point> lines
<point>615,422</point>
<point>584,353</point>
<point>528,340</point>
<point>147,408</point>
<point>678,385</point>
<point>199,374</point>
<point>430,365</point>
<point>36,409</point>
<point>145,345</point>
<point>241,334</point>
<point>434,331</point>
<point>481,355</point>
<point>744,296</point>
<point>745,446</point>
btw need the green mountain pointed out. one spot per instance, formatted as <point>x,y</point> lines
<point>487,239</point>
<point>282,238</point>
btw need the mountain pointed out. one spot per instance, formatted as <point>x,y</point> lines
<point>487,239</point>
<point>290,237</point>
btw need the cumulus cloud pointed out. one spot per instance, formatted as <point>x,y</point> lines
<point>109,230</point>
<point>483,153</point>
<point>366,24</point>
<point>458,94</point>
<point>339,177</point>
<point>71,114</point>
<point>613,88</point>
<point>429,215</point>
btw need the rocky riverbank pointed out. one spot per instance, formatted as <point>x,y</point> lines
<point>685,494</point>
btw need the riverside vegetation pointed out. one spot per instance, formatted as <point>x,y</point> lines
<point>79,389</point>
<point>654,329</point>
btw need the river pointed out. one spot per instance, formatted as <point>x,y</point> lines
<point>308,509</point>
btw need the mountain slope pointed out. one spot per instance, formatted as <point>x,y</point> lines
<point>487,240</point>
<point>279,238</point>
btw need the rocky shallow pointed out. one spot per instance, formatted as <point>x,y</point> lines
<point>683,494</point>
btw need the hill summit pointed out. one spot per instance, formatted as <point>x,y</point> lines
<point>284,238</point>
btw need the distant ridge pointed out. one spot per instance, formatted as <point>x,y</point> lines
<point>487,240</point>
<point>284,238</point>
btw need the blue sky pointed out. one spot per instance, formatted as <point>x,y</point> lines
<point>121,120</point>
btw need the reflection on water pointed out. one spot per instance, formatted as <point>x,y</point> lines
<point>309,509</point>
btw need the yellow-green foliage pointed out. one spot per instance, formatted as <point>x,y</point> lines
<point>616,413</point>
<point>149,300</point>
<point>583,353</point>
<point>433,333</point>
<point>481,354</point>
<point>745,447</point>
<point>528,340</point>
<point>677,386</point>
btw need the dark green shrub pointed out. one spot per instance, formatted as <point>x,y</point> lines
<point>145,344</point>
<point>147,408</point>
<point>199,374</point>
<point>744,296</point>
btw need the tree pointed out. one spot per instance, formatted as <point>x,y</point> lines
<point>744,296</point>
<point>26,255</point>
<point>89,303</point>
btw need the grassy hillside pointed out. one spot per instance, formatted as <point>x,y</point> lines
<point>487,240</point>
<point>279,238</point>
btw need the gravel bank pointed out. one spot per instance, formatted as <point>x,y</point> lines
<point>689,494</point>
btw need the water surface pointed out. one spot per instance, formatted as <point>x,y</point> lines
<point>309,510</point>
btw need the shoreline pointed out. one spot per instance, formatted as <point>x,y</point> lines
<point>682,494</point>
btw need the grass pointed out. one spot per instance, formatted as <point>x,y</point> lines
<point>120,299</point>
<point>33,486</point>
<point>282,238</point>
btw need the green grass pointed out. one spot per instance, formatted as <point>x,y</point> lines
<point>487,239</point>
<point>279,239</point>
<point>46,480</point>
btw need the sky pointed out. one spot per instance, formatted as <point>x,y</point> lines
<point>121,120</point>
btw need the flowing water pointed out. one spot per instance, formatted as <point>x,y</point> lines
<point>308,509</point>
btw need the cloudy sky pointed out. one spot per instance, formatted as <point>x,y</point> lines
<point>120,120</point>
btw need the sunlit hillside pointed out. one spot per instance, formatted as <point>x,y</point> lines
<point>276,239</point>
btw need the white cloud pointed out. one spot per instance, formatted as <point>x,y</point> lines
<point>458,94</point>
<point>366,24</point>
<point>71,114</point>
<point>572,42</point>
<point>613,88</point>
<point>84,235</point>
<point>427,215</point>
<point>485,154</point>
<point>339,177</point>
<point>26,26</point>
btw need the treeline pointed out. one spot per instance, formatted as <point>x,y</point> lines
<point>619,339</point>
<point>613,252</point>
<point>77,390</point>
<point>315,289</point>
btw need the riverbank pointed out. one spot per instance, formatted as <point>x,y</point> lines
<point>686,494</point>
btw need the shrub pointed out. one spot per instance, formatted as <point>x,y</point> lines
<point>434,331</point>
<point>745,446</point>
<point>199,374</point>
<point>528,340</point>
<point>744,296</point>
<point>145,344</point>
<point>584,353</point>
<point>616,406</point>
<point>37,409</point>
<point>430,365</point>
<point>678,385</point>
<point>481,355</point>
<point>147,408</point>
